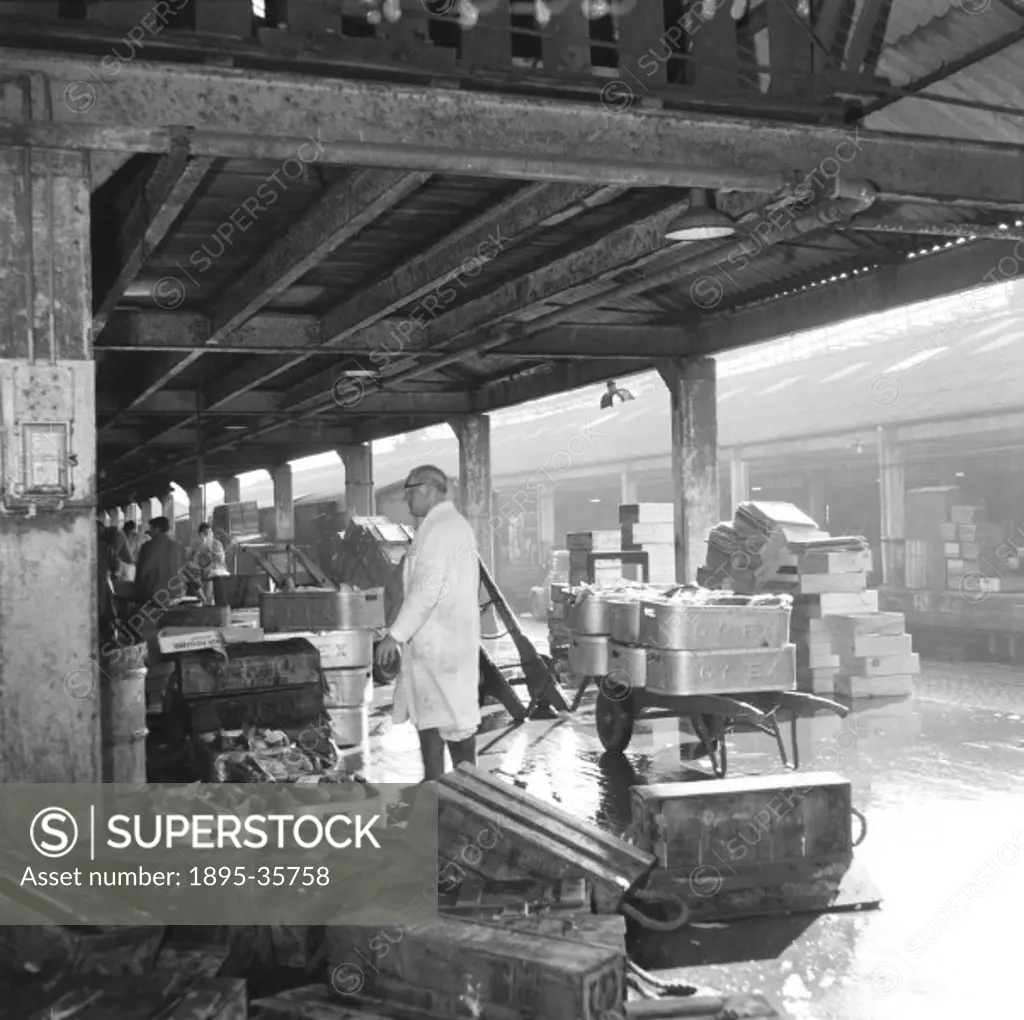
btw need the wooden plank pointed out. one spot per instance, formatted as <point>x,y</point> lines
<point>488,46</point>
<point>534,839</point>
<point>790,51</point>
<point>873,18</point>
<point>565,42</point>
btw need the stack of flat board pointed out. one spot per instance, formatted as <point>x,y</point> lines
<point>650,528</point>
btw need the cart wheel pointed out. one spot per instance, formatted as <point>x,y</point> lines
<point>615,717</point>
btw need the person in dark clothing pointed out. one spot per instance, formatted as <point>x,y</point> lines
<point>160,576</point>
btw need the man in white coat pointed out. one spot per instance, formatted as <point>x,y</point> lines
<point>437,630</point>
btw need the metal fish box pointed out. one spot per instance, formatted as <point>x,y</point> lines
<point>348,688</point>
<point>624,621</point>
<point>589,617</point>
<point>322,610</point>
<point>677,626</point>
<point>721,672</point>
<point>627,665</point>
<point>588,655</point>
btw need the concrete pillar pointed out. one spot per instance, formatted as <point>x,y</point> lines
<point>629,487</point>
<point>817,504</point>
<point>473,432</point>
<point>117,517</point>
<point>49,708</point>
<point>892,492</point>
<point>131,513</point>
<point>739,479</point>
<point>167,508</point>
<point>694,416</point>
<point>358,461</point>
<point>232,490</point>
<point>145,512</point>
<point>284,510</point>
<point>196,511</point>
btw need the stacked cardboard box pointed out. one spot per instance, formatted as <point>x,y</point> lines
<point>650,528</point>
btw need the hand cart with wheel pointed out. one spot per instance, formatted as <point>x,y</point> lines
<point>712,716</point>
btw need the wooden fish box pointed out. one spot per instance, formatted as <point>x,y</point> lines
<point>967,514</point>
<point>854,687</point>
<point>250,667</point>
<point>949,532</point>
<point>870,645</point>
<point>110,951</point>
<point>311,1002</point>
<point>647,513</point>
<point>821,584</point>
<point>831,603</point>
<point>491,829</point>
<point>607,930</point>
<point>280,709</point>
<point>817,680</point>
<point>442,965</point>
<point>139,998</point>
<point>847,626</point>
<point>834,562</point>
<point>882,665</point>
<point>741,825</point>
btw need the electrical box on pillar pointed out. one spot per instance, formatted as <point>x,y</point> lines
<point>37,417</point>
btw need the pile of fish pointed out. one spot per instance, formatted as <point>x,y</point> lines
<point>255,755</point>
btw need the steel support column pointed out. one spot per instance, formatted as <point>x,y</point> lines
<point>694,414</point>
<point>167,508</point>
<point>196,510</point>
<point>475,502</point>
<point>629,488</point>
<point>893,495</point>
<point>49,696</point>
<point>284,508</point>
<point>145,512</point>
<point>739,479</point>
<point>358,461</point>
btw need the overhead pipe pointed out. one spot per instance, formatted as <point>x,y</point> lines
<point>848,199</point>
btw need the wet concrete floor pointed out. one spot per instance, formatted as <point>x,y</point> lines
<point>940,779</point>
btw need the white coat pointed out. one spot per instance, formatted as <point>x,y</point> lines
<point>439,628</point>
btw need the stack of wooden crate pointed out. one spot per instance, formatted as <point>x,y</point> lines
<point>581,544</point>
<point>650,528</point>
<point>972,550</point>
<point>876,656</point>
<point>824,581</point>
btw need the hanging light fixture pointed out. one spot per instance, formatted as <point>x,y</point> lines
<point>541,13</point>
<point>700,222</point>
<point>469,15</point>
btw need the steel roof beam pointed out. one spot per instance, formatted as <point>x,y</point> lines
<point>347,208</point>
<point>253,114</point>
<point>170,185</point>
<point>266,333</point>
<point>183,402</point>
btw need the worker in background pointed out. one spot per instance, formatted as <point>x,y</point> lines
<point>436,634</point>
<point>133,542</point>
<point>211,562</point>
<point>160,572</point>
<point>106,570</point>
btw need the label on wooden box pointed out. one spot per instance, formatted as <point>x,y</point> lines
<point>721,672</point>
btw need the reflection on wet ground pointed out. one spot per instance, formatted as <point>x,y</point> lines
<point>940,778</point>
